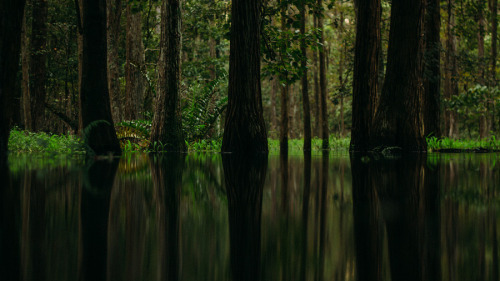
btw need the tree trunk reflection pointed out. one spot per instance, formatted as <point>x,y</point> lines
<point>404,193</point>
<point>94,210</point>
<point>167,178</point>
<point>245,175</point>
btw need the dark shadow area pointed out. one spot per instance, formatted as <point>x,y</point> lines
<point>244,176</point>
<point>96,188</point>
<point>166,171</point>
<point>9,225</point>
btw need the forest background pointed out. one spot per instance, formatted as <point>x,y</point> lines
<point>49,78</point>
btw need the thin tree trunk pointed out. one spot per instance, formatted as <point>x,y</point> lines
<point>398,121</point>
<point>341,73</point>
<point>25,65</point>
<point>432,96</point>
<point>366,72</point>
<point>305,84</point>
<point>494,39</point>
<point>285,91</point>
<point>95,111</point>
<point>483,119</point>
<point>451,72</point>
<point>134,67</point>
<point>274,116</point>
<point>114,12</point>
<point>322,82</point>
<point>245,130</point>
<point>167,126</point>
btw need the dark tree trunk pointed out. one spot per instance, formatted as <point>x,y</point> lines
<point>274,116</point>
<point>167,126</point>
<point>366,71</point>
<point>114,12</point>
<point>494,41</point>
<point>305,83</point>
<point>322,82</point>
<point>432,80</point>
<point>285,91</point>
<point>25,64</point>
<point>398,121</point>
<point>451,73</point>
<point>11,16</point>
<point>134,66</point>
<point>244,176</point>
<point>37,66</point>
<point>96,121</point>
<point>245,129</point>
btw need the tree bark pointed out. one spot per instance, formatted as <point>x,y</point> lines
<point>11,16</point>
<point>322,82</point>
<point>25,65</point>
<point>483,119</point>
<point>432,80</point>
<point>134,67</point>
<point>366,71</point>
<point>305,83</point>
<point>398,121</point>
<point>245,129</point>
<point>285,90</point>
<point>114,12</point>
<point>37,65</point>
<point>167,126</point>
<point>451,73</point>
<point>96,120</point>
<point>494,41</point>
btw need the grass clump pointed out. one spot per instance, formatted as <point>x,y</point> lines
<point>28,142</point>
<point>446,144</point>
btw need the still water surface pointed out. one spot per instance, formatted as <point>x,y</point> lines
<point>213,217</point>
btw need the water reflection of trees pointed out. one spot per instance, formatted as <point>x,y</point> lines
<point>244,176</point>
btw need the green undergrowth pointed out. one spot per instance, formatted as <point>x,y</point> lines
<point>451,145</point>
<point>44,143</point>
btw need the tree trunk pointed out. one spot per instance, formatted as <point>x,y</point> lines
<point>37,65</point>
<point>451,73</point>
<point>11,16</point>
<point>245,130</point>
<point>305,84</point>
<point>432,80</point>
<point>135,66</point>
<point>366,71</point>
<point>398,121</point>
<point>167,126</point>
<point>494,39</point>
<point>274,116</point>
<point>483,119</point>
<point>114,12</point>
<point>25,65</point>
<point>96,120</point>
<point>322,82</point>
<point>285,91</point>
<point>342,83</point>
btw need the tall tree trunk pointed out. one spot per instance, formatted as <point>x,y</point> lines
<point>285,91</point>
<point>274,115</point>
<point>95,111</point>
<point>483,119</point>
<point>25,64</point>
<point>398,121</point>
<point>451,72</point>
<point>322,82</point>
<point>432,80</point>
<point>245,129</point>
<point>167,126</point>
<point>37,68</point>
<point>305,84</point>
<point>134,67</point>
<point>494,41</point>
<point>11,16</point>
<point>343,52</point>
<point>366,71</point>
<point>114,12</point>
